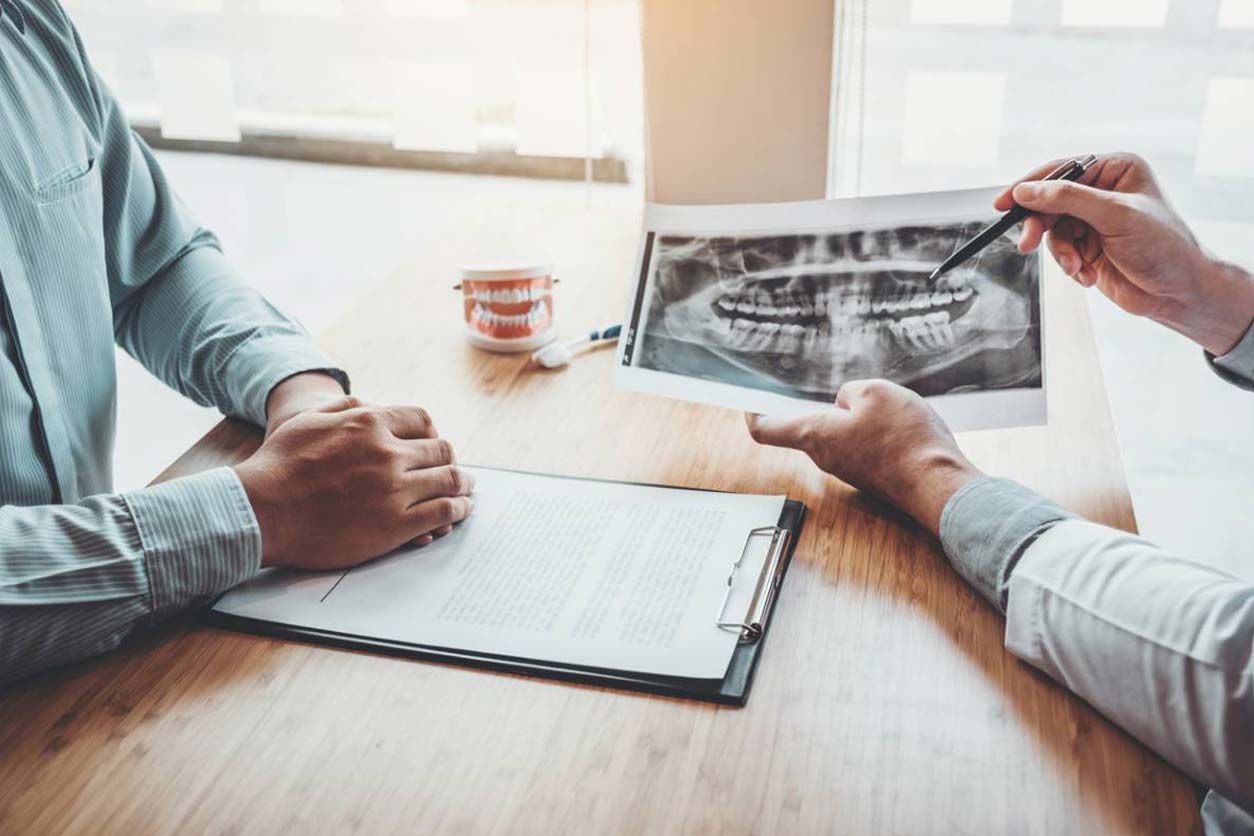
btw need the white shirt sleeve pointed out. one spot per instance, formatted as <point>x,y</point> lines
<point>1161,645</point>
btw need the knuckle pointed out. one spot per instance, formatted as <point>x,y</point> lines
<point>872,391</point>
<point>421,416</point>
<point>353,402</point>
<point>1061,189</point>
<point>444,451</point>
<point>1133,159</point>
<point>1124,209</point>
<point>382,454</point>
<point>446,510</point>
<point>452,479</point>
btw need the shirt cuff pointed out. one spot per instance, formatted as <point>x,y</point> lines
<point>987,526</point>
<point>262,363</point>
<point>199,537</point>
<point>1237,366</point>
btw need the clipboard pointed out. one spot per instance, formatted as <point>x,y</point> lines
<point>732,689</point>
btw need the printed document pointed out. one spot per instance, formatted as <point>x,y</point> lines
<point>572,571</point>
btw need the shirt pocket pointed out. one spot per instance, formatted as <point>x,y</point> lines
<point>66,183</point>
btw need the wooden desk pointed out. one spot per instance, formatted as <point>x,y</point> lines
<point>884,703</point>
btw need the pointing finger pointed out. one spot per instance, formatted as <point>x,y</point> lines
<point>1034,229</point>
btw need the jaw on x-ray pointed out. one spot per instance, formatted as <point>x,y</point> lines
<point>800,314</point>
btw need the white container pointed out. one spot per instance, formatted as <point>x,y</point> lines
<point>508,306</point>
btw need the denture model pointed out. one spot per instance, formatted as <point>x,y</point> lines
<point>509,306</point>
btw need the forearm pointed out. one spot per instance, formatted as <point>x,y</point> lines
<point>1159,645</point>
<point>178,305</point>
<point>75,580</point>
<point>217,341</point>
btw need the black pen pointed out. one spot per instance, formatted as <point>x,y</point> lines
<point>1070,170</point>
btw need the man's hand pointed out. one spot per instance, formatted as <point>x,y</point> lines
<point>882,439</point>
<point>1114,229</point>
<point>299,393</point>
<point>345,483</point>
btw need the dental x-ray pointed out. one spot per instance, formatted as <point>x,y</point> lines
<point>772,308</point>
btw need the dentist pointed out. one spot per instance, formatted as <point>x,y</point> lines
<point>1161,645</point>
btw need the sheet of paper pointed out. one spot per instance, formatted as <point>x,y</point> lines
<point>770,308</point>
<point>571,571</point>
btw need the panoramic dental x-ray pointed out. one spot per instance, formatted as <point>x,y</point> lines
<point>752,319</point>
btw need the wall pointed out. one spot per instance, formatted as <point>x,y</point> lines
<point>737,99</point>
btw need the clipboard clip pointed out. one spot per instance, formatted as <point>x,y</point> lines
<point>751,628</point>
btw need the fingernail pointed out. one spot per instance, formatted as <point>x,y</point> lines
<point>1070,265</point>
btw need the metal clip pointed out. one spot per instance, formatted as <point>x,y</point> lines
<point>764,593</point>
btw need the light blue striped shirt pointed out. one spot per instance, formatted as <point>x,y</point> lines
<point>95,248</point>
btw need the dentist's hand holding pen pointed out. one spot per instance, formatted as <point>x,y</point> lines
<point>1113,229</point>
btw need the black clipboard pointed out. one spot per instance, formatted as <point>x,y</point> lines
<point>732,689</point>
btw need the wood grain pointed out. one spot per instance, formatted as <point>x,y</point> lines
<point>884,703</point>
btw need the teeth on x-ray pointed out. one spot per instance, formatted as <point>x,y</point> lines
<point>804,313</point>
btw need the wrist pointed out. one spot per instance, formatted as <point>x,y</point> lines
<point>299,393</point>
<point>931,482</point>
<point>1221,310</point>
<point>266,510</point>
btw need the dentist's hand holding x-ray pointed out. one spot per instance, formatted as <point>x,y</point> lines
<point>1162,646</point>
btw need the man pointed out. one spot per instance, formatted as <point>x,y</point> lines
<point>95,248</point>
<point>1162,646</point>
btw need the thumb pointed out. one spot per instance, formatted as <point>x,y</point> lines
<point>796,433</point>
<point>1098,208</point>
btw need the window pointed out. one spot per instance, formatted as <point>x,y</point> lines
<point>933,94</point>
<point>544,87</point>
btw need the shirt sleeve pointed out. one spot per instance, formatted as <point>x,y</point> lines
<point>75,580</point>
<point>1161,645</point>
<point>178,305</point>
<point>1237,366</point>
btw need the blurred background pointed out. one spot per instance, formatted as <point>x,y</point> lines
<point>313,135</point>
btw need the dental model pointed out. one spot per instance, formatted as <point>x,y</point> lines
<point>508,307</point>
<point>556,355</point>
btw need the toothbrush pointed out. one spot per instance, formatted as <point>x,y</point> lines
<point>556,355</point>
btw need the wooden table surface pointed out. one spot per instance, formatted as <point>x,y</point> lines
<point>884,701</point>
